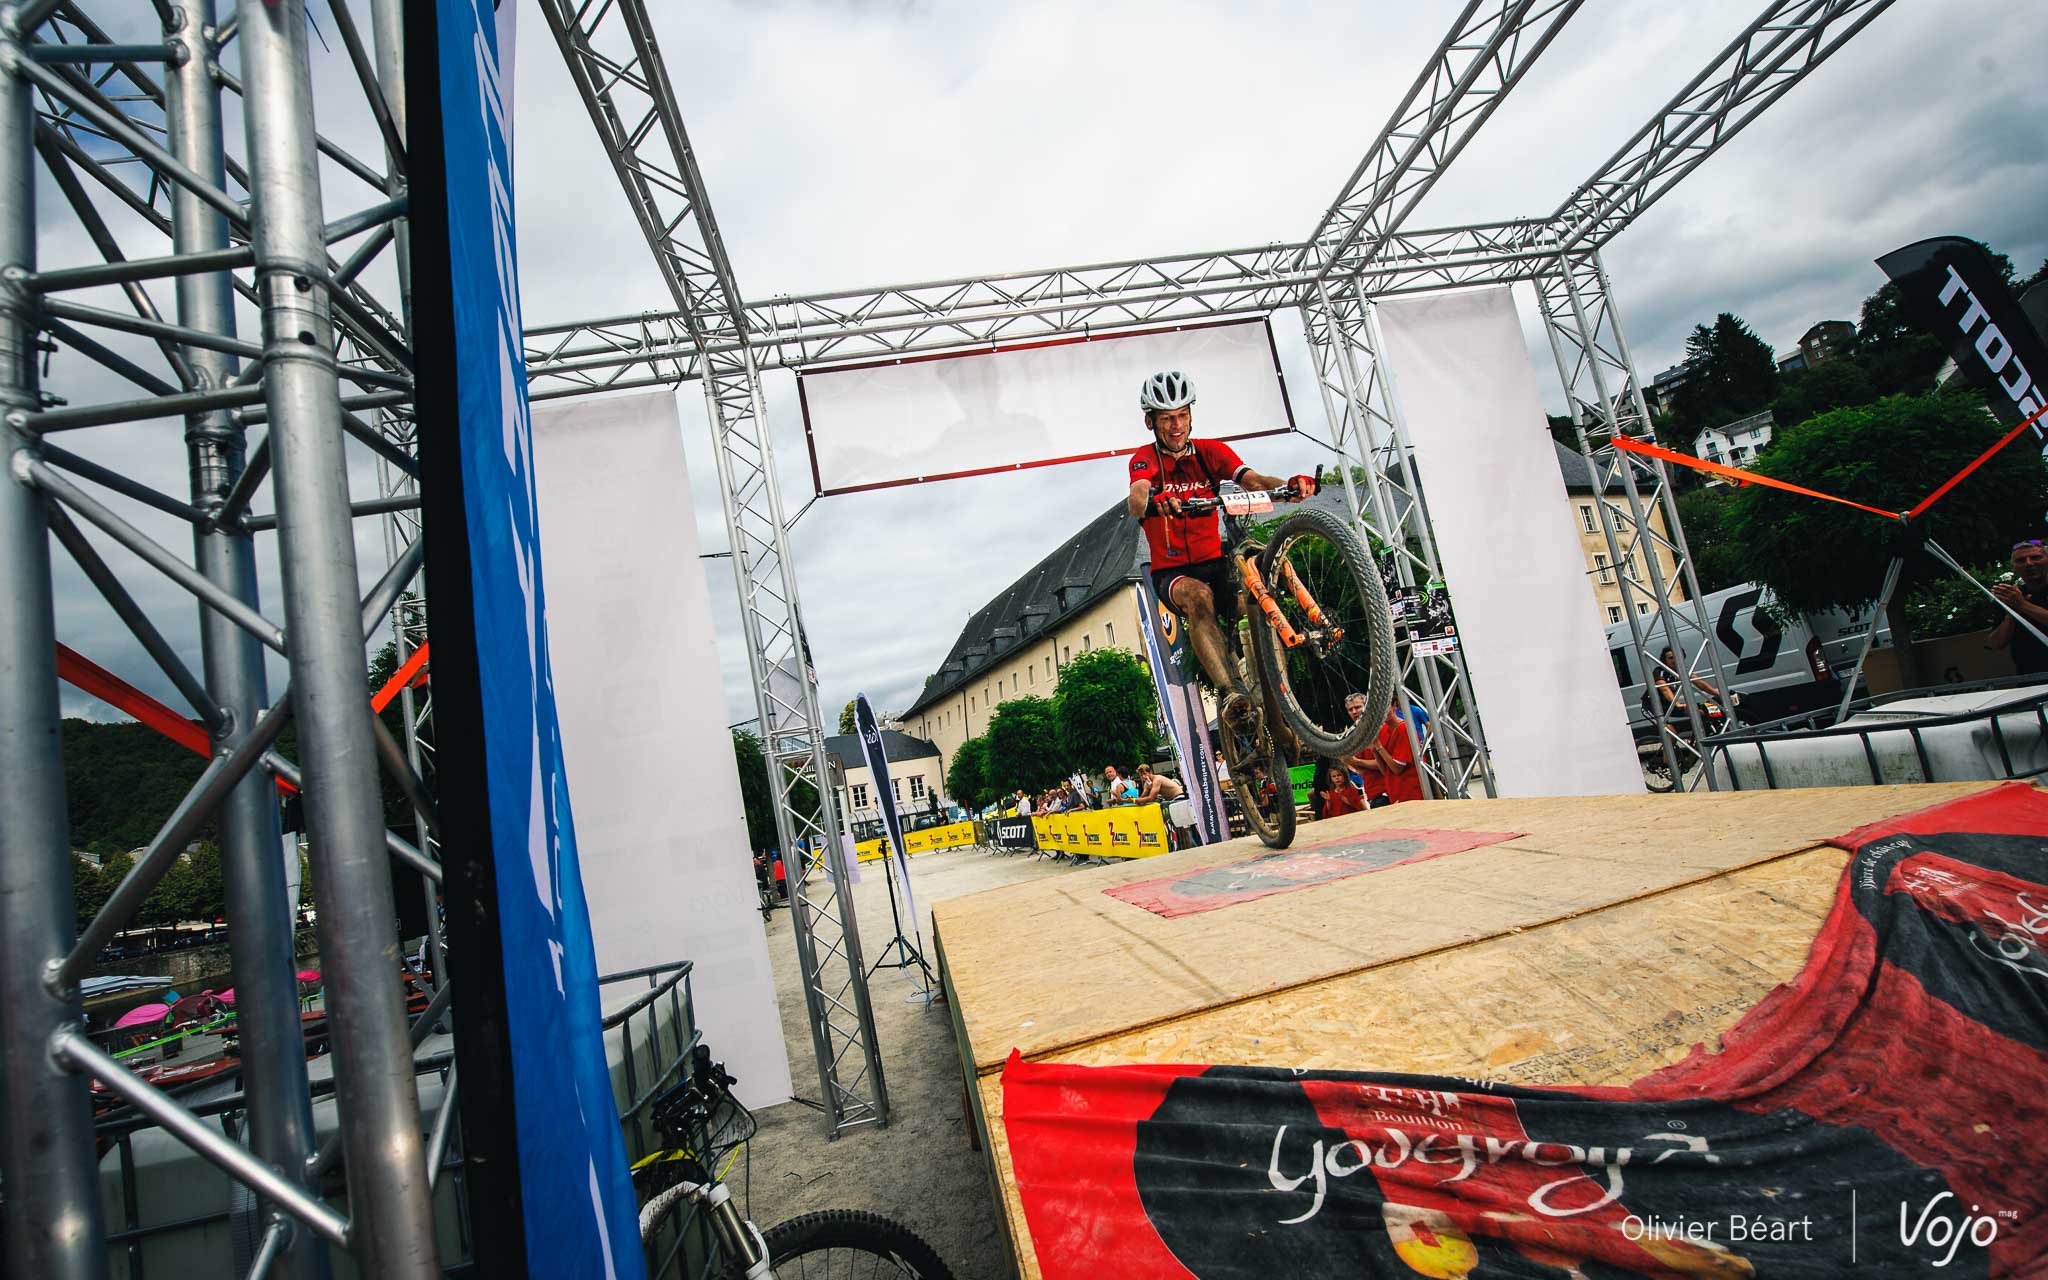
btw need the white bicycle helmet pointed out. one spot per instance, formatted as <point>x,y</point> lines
<point>1168,390</point>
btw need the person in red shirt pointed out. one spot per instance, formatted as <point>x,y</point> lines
<point>1396,756</point>
<point>1188,569</point>
<point>1338,793</point>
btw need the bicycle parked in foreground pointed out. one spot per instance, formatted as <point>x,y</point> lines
<point>1313,600</point>
<point>704,1129</point>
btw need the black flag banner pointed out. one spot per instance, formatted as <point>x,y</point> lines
<point>1953,289</point>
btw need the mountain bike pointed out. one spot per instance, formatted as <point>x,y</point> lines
<point>1315,605</point>
<point>704,1129</point>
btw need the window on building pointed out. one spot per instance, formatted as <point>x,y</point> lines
<point>999,688</point>
<point>1109,633</point>
<point>1031,674</point>
<point>1087,642</point>
<point>970,702</point>
<point>860,795</point>
<point>896,788</point>
<point>1606,570</point>
<point>1066,653</point>
<point>1586,521</point>
<point>1614,613</point>
<point>917,786</point>
<point>1643,608</point>
<point>1048,666</point>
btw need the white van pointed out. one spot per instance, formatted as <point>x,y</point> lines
<point>1776,670</point>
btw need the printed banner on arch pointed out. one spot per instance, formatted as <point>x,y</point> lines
<point>1882,1114</point>
<point>910,419</point>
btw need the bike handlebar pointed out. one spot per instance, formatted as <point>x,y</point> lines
<point>1203,506</point>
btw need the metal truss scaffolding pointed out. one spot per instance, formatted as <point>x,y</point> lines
<point>129,138</point>
<point>618,71</point>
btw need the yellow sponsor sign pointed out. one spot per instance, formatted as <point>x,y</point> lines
<point>951,836</point>
<point>1133,831</point>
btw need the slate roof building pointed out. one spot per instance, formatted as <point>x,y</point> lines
<point>1084,595</point>
<point>917,774</point>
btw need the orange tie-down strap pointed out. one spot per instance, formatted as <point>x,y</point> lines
<point>1740,476</point>
<point>1737,474</point>
<point>76,669</point>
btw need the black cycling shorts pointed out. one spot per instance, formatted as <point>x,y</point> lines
<point>1216,573</point>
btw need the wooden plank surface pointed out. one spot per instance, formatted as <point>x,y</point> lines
<point>1055,965</point>
<point>1598,999</point>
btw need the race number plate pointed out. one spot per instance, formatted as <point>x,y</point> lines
<point>1241,502</point>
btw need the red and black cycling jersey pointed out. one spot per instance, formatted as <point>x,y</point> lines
<point>1180,540</point>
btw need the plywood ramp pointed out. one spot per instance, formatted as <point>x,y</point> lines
<point>1057,964</point>
<point>1604,943</point>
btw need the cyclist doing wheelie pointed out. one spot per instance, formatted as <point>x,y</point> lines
<point>1189,570</point>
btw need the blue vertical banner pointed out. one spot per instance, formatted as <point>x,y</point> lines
<point>1180,702</point>
<point>545,1159</point>
<point>877,757</point>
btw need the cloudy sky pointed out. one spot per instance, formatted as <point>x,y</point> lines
<point>856,144</point>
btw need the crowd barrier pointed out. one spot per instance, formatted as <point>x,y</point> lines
<point>1131,831</point>
<point>953,835</point>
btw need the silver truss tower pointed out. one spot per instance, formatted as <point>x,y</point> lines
<point>139,127</point>
<point>136,129</point>
<point>617,67</point>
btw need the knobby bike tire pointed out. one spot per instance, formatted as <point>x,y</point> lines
<point>1275,831</point>
<point>1374,612</point>
<point>850,1231</point>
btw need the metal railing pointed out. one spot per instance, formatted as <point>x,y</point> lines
<point>1783,733</point>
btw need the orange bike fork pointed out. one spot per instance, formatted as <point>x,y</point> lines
<point>1308,603</point>
<point>1256,585</point>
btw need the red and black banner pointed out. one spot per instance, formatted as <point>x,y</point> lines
<point>1951,288</point>
<point>1885,1113</point>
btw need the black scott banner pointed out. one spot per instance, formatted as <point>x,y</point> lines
<point>1013,833</point>
<point>1951,288</point>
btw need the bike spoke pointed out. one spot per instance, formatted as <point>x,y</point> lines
<point>1336,656</point>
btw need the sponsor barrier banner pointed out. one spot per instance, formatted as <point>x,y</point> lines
<point>1013,833</point>
<point>544,1158</point>
<point>1953,290</point>
<point>1881,1114</point>
<point>953,835</point>
<point>1134,831</point>
<point>1266,874</point>
<point>1180,702</point>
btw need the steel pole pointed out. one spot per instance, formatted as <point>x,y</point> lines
<point>53,1226</point>
<point>392,1226</point>
<point>273,1048</point>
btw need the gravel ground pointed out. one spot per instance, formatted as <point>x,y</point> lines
<point>919,1170</point>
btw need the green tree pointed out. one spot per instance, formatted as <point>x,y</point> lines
<point>1949,606</point>
<point>1023,746</point>
<point>1105,711</point>
<point>967,777</point>
<point>755,796</point>
<point>1833,385</point>
<point>1716,557</point>
<point>1731,373</point>
<point>1819,555</point>
<point>846,722</point>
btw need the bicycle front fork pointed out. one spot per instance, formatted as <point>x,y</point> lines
<point>736,1236</point>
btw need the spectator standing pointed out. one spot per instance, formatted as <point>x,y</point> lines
<point>2026,595</point>
<point>1117,789</point>
<point>1396,756</point>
